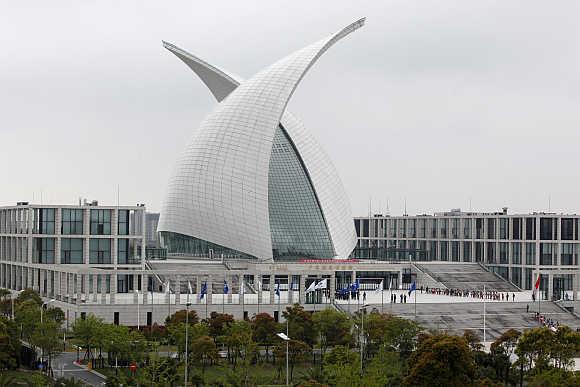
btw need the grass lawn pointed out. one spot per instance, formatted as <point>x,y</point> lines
<point>23,378</point>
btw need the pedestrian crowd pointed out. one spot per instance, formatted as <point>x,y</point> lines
<point>480,294</point>
<point>547,322</point>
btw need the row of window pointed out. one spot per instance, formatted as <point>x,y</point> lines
<point>72,251</point>
<point>469,228</point>
<point>72,221</point>
<point>467,251</point>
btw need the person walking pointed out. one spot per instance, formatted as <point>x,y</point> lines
<point>364,296</point>
<point>527,308</point>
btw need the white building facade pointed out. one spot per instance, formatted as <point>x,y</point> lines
<point>517,247</point>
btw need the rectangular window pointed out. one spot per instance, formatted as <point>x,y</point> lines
<point>72,221</point>
<point>434,228</point>
<point>100,222</point>
<point>491,252</point>
<point>422,228</point>
<point>455,251</point>
<point>503,228</point>
<point>516,253</point>
<point>123,256</point>
<point>517,228</point>
<point>43,250</point>
<point>71,250</point>
<point>530,229</point>
<point>503,252</point>
<point>567,229</point>
<point>516,274</point>
<point>546,253</point>
<point>455,228</point>
<point>569,254</point>
<point>547,229</point>
<point>46,220</point>
<point>116,318</point>
<point>530,253</point>
<point>466,251</point>
<point>443,251</point>
<point>467,228</point>
<point>478,228</point>
<point>443,228</point>
<point>100,251</point>
<point>490,228</point>
<point>123,223</point>
<point>357,227</point>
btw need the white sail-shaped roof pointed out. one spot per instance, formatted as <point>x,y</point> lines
<point>219,189</point>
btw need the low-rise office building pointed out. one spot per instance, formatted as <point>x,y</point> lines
<point>517,247</point>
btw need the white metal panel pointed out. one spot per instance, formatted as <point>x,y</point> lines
<point>219,189</point>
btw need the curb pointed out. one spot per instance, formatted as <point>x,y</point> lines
<point>100,375</point>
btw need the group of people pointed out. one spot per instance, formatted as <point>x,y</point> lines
<point>488,295</point>
<point>343,294</point>
<point>547,322</point>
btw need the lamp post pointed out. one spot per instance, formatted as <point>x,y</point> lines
<point>186,340</point>
<point>284,336</point>
<point>362,318</point>
<point>12,301</point>
<point>138,315</point>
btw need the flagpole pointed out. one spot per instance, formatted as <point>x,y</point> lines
<point>224,296</point>
<point>382,299</point>
<point>241,294</point>
<point>484,315</point>
<point>415,290</point>
<point>278,302</point>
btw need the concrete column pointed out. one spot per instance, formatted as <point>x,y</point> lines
<point>258,282</point>
<point>113,288</point>
<point>42,278</point>
<point>332,286</point>
<point>240,291</point>
<point>209,289</point>
<point>86,231</point>
<point>178,290</point>
<point>550,286</point>
<point>290,293</point>
<point>302,288</point>
<point>95,289</point>
<point>103,289</point>
<point>272,290</point>
<point>78,290</point>
<point>230,280</point>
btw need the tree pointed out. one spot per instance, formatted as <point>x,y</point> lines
<point>179,317</point>
<point>46,337</point>
<point>533,348</point>
<point>300,325</point>
<point>238,338</point>
<point>385,369</point>
<point>176,334</point>
<point>297,351</point>
<point>555,377</point>
<point>9,344</point>
<point>332,327</point>
<point>565,348</point>
<point>501,351</point>
<point>218,323</point>
<point>375,327</point>
<point>88,334</point>
<point>472,340</point>
<point>264,329</point>
<point>203,352</point>
<point>29,294</point>
<point>401,335</point>
<point>5,302</point>
<point>341,367</point>
<point>441,358</point>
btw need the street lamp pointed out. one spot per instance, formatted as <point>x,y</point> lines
<point>138,315</point>
<point>284,336</point>
<point>362,335</point>
<point>12,300</point>
<point>186,339</point>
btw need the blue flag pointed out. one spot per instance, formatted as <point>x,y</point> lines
<point>226,289</point>
<point>354,287</point>
<point>413,288</point>
<point>278,289</point>
<point>203,290</point>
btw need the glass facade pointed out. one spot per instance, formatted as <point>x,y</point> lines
<point>100,222</point>
<point>297,225</point>
<point>72,221</point>
<point>123,222</point>
<point>99,251</point>
<point>46,220</point>
<point>178,244</point>
<point>43,250</point>
<point>71,250</point>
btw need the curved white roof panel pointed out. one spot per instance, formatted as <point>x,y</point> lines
<point>219,190</point>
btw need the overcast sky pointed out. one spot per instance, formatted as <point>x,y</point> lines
<point>440,102</point>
